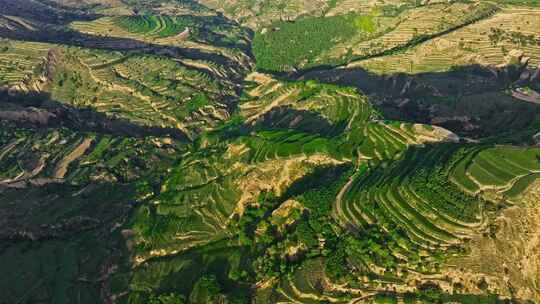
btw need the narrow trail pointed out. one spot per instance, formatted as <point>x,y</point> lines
<point>62,167</point>
<point>339,198</point>
<point>275,103</point>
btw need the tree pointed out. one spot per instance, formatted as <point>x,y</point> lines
<point>171,298</point>
<point>206,290</point>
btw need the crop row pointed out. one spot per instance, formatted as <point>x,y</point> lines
<point>162,26</point>
<point>414,195</point>
<point>500,168</point>
<point>465,46</point>
<point>146,90</point>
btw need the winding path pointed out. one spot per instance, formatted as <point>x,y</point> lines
<point>339,198</point>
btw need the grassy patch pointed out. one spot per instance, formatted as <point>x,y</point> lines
<point>521,185</point>
<point>365,24</point>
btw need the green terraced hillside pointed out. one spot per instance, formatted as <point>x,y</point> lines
<point>326,151</point>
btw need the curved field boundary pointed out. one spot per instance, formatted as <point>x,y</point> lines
<point>399,48</point>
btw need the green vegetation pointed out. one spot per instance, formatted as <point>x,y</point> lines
<point>415,203</point>
<point>498,168</point>
<point>286,46</point>
<point>270,144</point>
<point>46,263</point>
<point>160,91</point>
<point>365,24</point>
<point>498,35</point>
<point>197,276</point>
<point>257,229</point>
<point>163,26</point>
<point>141,166</point>
<point>521,185</point>
<point>197,102</point>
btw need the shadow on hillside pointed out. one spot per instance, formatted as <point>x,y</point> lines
<point>40,223</point>
<point>472,100</point>
<point>39,111</point>
<point>286,117</point>
<point>46,21</point>
<point>44,11</point>
<point>73,38</point>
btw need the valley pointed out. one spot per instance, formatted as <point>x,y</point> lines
<point>240,151</point>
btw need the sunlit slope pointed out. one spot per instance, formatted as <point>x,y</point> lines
<point>405,221</point>
<point>485,42</point>
<point>257,14</point>
<point>338,40</point>
<point>19,60</point>
<point>146,90</point>
<point>213,187</point>
<point>206,33</point>
<point>503,171</point>
<point>339,114</point>
<point>437,194</point>
<point>429,38</point>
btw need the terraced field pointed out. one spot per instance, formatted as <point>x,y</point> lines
<point>68,191</point>
<point>163,26</point>
<point>229,178</point>
<point>473,44</point>
<point>307,286</point>
<point>502,170</point>
<point>150,155</point>
<point>259,14</point>
<point>143,27</point>
<point>335,110</point>
<point>237,168</point>
<point>208,33</point>
<point>160,92</point>
<point>404,200</point>
<point>430,198</point>
<point>160,95</point>
<point>415,25</point>
<point>431,38</point>
<point>373,34</point>
<point>18,60</point>
<point>63,156</point>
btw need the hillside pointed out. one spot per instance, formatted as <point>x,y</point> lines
<point>241,151</point>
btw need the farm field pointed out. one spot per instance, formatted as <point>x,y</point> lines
<point>19,60</point>
<point>186,31</point>
<point>474,44</point>
<point>418,24</point>
<point>164,94</point>
<point>261,152</point>
<point>358,37</point>
<point>498,169</point>
<point>262,13</point>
